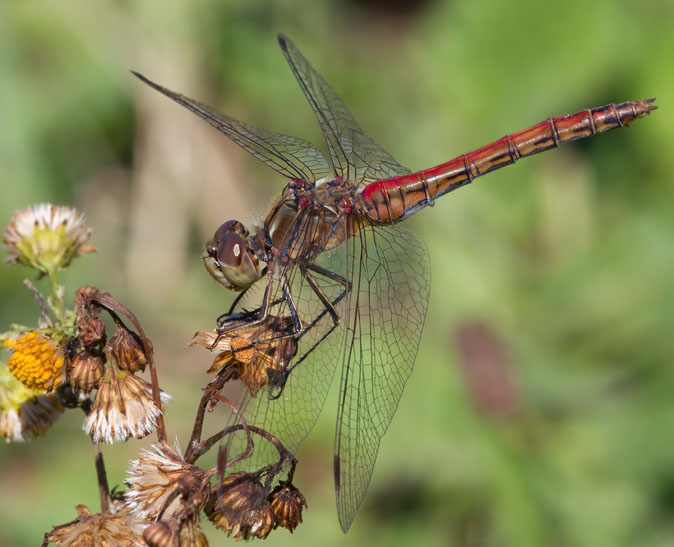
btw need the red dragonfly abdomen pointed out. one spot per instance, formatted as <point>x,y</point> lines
<point>392,200</point>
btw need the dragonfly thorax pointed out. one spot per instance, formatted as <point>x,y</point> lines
<point>229,258</point>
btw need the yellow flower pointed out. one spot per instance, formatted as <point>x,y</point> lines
<point>23,414</point>
<point>37,360</point>
<point>46,237</point>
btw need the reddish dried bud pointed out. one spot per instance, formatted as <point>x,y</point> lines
<point>287,502</point>
<point>91,331</point>
<point>126,350</point>
<point>158,534</point>
<point>86,371</point>
<point>238,506</point>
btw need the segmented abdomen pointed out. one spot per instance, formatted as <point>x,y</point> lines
<point>392,200</point>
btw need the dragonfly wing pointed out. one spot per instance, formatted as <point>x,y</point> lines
<point>292,157</point>
<point>291,416</point>
<point>355,156</point>
<point>383,318</point>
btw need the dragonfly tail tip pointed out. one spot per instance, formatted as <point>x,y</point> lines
<point>649,107</point>
<point>283,42</point>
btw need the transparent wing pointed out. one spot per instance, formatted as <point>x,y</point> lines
<point>354,155</point>
<point>383,319</point>
<point>292,416</point>
<point>376,340</point>
<point>292,157</point>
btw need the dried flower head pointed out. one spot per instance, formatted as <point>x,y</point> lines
<point>119,529</point>
<point>86,371</point>
<point>238,506</point>
<point>161,534</point>
<point>126,350</point>
<point>23,414</point>
<point>46,237</point>
<point>123,408</point>
<point>157,476</point>
<point>254,350</point>
<point>287,503</point>
<point>193,536</point>
<point>37,359</point>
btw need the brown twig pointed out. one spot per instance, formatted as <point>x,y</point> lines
<point>101,475</point>
<point>284,453</point>
<point>193,446</point>
<point>249,439</point>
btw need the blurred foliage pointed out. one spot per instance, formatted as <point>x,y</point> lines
<point>565,259</point>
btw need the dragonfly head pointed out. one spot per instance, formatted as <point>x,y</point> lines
<point>229,258</point>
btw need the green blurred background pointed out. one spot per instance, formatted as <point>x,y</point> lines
<point>540,411</point>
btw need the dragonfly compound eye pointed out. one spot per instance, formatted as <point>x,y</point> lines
<point>231,226</point>
<point>231,250</point>
<point>231,262</point>
<point>228,258</point>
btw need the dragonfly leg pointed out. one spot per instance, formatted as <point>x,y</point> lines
<point>291,303</point>
<point>279,379</point>
<point>222,319</point>
<point>329,306</point>
<point>243,318</point>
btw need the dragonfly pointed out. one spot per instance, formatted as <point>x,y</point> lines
<point>329,281</point>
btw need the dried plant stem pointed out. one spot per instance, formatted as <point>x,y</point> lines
<point>103,488</point>
<point>45,318</point>
<point>194,446</point>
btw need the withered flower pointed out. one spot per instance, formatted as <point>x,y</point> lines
<point>253,350</point>
<point>23,414</point>
<point>46,237</point>
<point>37,359</point>
<point>123,408</point>
<point>126,349</point>
<point>154,478</point>
<point>193,536</point>
<point>238,506</point>
<point>287,502</point>
<point>119,529</point>
<point>159,534</point>
<point>90,328</point>
<point>86,371</point>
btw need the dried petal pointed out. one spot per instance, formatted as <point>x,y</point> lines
<point>254,350</point>
<point>119,529</point>
<point>123,408</point>
<point>154,478</point>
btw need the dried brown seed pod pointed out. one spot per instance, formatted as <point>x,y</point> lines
<point>287,503</point>
<point>85,372</point>
<point>126,350</point>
